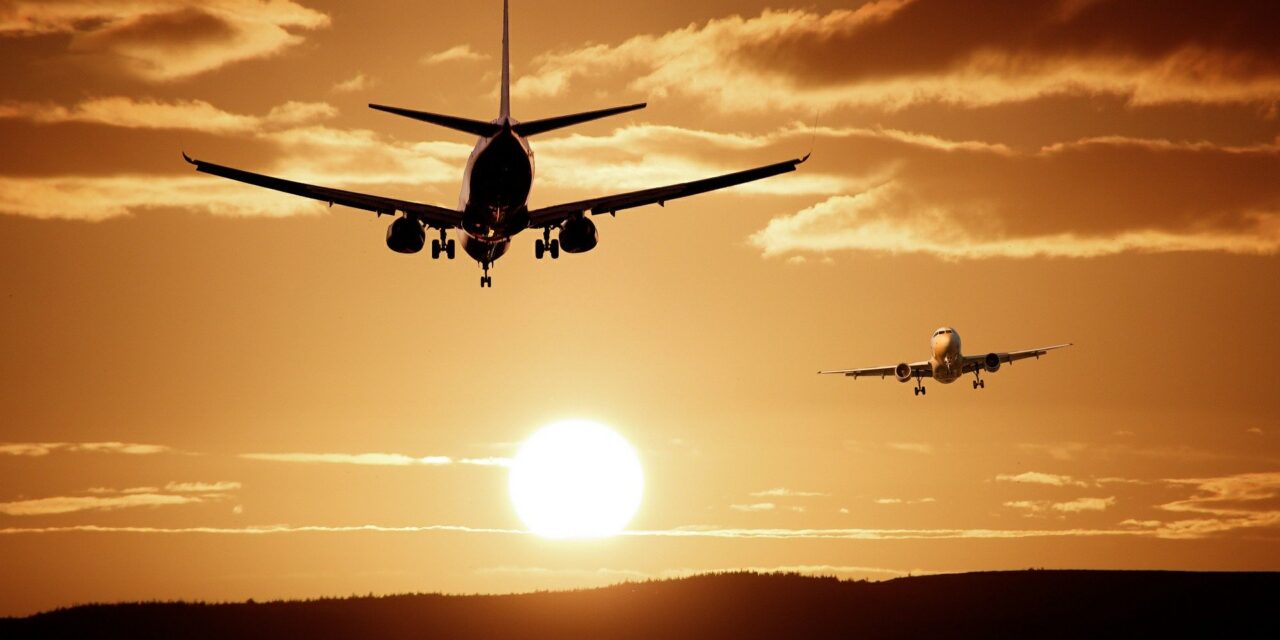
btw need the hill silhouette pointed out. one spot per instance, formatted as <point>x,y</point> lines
<point>1021,604</point>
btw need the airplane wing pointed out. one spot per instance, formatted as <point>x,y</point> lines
<point>918,369</point>
<point>427,214</point>
<point>553,215</point>
<point>1007,358</point>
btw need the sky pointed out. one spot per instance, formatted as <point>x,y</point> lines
<point>215,392</point>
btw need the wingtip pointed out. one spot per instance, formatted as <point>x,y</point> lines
<point>805,158</point>
<point>187,158</point>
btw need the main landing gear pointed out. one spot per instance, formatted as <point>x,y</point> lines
<point>443,245</point>
<point>546,245</point>
<point>978,382</point>
<point>485,280</point>
<point>920,390</point>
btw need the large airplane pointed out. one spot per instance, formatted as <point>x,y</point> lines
<point>492,207</point>
<point>947,364</point>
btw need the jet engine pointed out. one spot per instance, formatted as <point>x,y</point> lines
<point>991,362</point>
<point>902,372</point>
<point>405,235</point>
<point>578,235</point>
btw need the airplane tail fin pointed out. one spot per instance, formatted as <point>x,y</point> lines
<point>534,127</point>
<point>504,110</point>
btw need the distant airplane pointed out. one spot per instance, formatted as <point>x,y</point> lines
<point>948,364</point>
<point>495,187</point>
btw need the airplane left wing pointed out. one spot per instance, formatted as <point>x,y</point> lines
<point>549,216</point>
<point>1006,358</point>
<point>427,214</point>
<point>918,370</point>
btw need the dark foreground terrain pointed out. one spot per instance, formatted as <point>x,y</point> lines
<point>1015,604</point>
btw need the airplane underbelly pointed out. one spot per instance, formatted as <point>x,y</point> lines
<point>484,250</point>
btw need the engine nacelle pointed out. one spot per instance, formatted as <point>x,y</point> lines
<point>406,236</point>
<point>578,235</point>
<point>991,362</point>
<point>902,372</point>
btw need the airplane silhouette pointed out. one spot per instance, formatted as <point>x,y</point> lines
<point>492,207</point>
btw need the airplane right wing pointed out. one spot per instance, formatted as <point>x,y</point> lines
<point>427,214</point>
<point>918,370</point>
<point>554,215</point>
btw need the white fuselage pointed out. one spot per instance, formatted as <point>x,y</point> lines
<point>947,362</point>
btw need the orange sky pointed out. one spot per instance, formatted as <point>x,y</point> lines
<point>1075,171</point>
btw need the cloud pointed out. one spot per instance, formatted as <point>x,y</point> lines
<point>46,448</point>
<point>165,40</point>
<point>358,82</point>
<point>367,459</point>
<point>188,115</point>
<point>608,574</point>
<point>1085,504</point>
<point>460,53</point>
<point>780,492</point>
<point>72,504</point>
<point>1078,505</point>
<point>888,501</point>
<point>682,532</point>
<point>374,459</point>
<point>202,487</point>
<point>911,447</point>
<point>758,506</point>
<point>801,59</point>
<point>1245,501</point>
<point>1087,198</point>
<point>1036,477</point>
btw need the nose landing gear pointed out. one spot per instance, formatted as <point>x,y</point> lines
<point>485,280</point>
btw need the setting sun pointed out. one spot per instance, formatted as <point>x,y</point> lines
<point>576,479</point>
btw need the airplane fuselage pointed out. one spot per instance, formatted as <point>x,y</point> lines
<point>947,361</point>
<point>495,193</point>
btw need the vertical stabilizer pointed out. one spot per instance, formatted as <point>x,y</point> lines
<point>505,108</point>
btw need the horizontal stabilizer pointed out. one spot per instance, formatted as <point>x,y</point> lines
<point>476,127</point>
<point>534,127</point>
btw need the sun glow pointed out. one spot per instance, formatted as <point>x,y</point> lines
<point>576,479</point>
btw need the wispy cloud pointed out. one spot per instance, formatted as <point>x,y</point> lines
<point>781,492</point>
<point>756,506</point>
<point>890,501</point>
<point>802,59</point>
<point>72,504</point>
<point>191,115</point>
<point>459,53</point>
<point>911,447</point>
<point>358,82</point>
<point>1078,505</point>
<point>46,448</point>
<point>202,487</point>
<point>1245,501</point>
<point>374,459</point>
<point>684,532</point>
<point>165,40</point>
<point>1036,477</point>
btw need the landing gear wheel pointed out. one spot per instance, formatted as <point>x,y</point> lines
<point>449,249</point>
<point>975,384</point>
<point>435,250</point>
<point>486,281</point>
<point>982,383</point>
<point>555,249</point>
<point>923,390</point>
<point>916,391</point>
<point>539,248</point>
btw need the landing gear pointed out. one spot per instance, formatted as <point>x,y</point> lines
<point>443,245</point>
<point>920,390</point>
<point>546,245</point>
<point>485,280</point>
<point>978,382</point>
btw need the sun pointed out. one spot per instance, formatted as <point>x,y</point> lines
<point>576,479</point>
